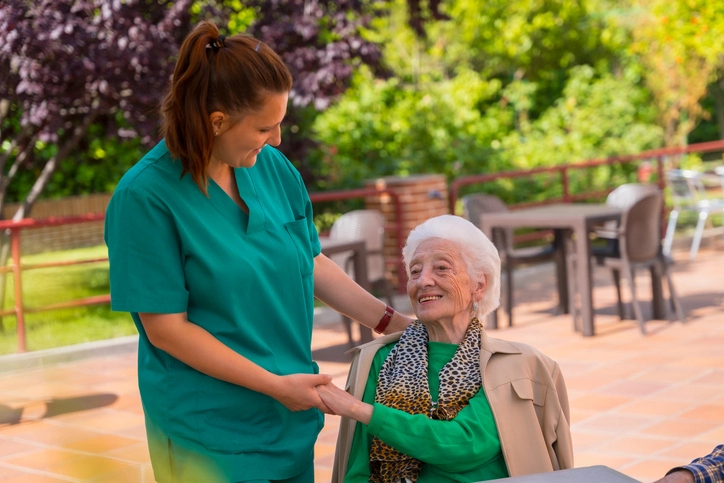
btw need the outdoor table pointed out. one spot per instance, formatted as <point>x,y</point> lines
<point>577,219</point>
<point>358,251</point>
<point>596,474</point>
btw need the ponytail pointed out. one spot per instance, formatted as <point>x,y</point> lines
<point>215,73</point>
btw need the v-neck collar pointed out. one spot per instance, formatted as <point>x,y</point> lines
<point>252,222</point>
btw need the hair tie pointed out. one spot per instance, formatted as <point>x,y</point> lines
<point>217,44</point>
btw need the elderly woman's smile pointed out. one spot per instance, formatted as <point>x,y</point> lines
<point>440,288</point>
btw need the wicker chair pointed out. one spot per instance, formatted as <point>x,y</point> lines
<point>639,246</point>
<point>475,207</point>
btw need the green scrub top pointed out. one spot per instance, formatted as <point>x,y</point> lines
<point>247,279</point>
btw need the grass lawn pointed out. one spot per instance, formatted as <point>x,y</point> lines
<point>46,286</point>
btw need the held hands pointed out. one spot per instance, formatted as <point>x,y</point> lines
<point>344,404</point>
<point>297,391</point>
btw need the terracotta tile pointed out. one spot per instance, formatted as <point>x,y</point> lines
<point>691,392</point>
<point>597,402</point>
<point>660,391</point>
<point>55,434</point>
<point>614,423</point>
<point>33,478</point>
<point>677,428</point>
<point>87,467</point>
<point>592,458</point>
<point>99,444</point>
<point>137,432</point>
<point>715,436</point>
<point>110,420</point>
<point>322,475</point>
<point>638,445</point>
<point>43,458</point>
<point>633,388</point>
<point>670,374</point>
<point>8,472</point>
<point>579,416</point>
<point>715,377</point>
<point>687,451</point>
<point>10,447</point>
<point>707,412</point>
<point>321,450</point>
<point>584,440</point>
<point>124,475</point>
<point>654,407</point>
<point>137,452</point>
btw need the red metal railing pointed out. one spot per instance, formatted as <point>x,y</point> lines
<point>15,229</point>
<point>563,170</point>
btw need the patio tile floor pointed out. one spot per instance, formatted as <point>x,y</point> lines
<point>639,404</point>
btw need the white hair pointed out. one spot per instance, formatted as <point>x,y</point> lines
<point>478,252</point>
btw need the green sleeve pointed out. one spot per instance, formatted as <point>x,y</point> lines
<point>462,444</point>
<point>145,254</point>
<point>467,442</point>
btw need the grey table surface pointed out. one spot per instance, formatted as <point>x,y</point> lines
<point>588,474</point>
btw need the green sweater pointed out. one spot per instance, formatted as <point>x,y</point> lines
<point>465,449</point>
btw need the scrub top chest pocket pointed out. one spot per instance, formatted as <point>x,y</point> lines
<point>299,233</point>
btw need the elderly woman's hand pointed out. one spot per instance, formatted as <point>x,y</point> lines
<point>344,404</point>
<point>296,391</point>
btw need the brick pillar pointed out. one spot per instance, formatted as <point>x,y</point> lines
<point>421,197</point>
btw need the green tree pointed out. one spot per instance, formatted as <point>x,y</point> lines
<point>679,43</point>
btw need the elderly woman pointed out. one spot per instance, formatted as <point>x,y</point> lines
<point>442,401</point>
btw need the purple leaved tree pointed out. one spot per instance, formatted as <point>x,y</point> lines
<point>65,64</point>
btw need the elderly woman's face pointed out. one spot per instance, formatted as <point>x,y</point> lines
<point>439,286</point>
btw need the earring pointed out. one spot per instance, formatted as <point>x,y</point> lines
<point>216,133</point>
<point>475,307</point>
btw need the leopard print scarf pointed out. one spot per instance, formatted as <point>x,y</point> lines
<point>403,385</point>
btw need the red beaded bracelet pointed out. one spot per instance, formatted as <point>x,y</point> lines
<point>385,320</point>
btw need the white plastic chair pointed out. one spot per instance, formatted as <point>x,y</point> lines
<point>368,225</point>
<point>688,194</point>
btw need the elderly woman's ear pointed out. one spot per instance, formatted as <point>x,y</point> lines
<point>480,289</point>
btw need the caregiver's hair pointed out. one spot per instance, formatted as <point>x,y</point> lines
<point>479,253</point>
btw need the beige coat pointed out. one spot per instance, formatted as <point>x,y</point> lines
<point>527,395</point>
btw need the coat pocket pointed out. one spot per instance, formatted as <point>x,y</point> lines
<point>530,390</point>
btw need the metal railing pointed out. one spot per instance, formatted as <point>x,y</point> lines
<point>15,229</point>
<point>563,172</point>
<point>16,267</point>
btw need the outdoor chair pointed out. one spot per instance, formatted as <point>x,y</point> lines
<point>623,198</point>
<point>639,246</point>
<point>475,207</point>
<point>368,225</point>
<point>689,194</point>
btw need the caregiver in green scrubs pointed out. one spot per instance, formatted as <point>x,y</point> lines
<point>213,252</point>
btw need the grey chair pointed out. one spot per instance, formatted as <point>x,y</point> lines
<point>639,246</point>
<point>368,225</point>
<point>689,194</point>
<point>623,197</point>
<point>475,207</point>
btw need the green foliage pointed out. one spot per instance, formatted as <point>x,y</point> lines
<point>382,127</point>
<point>597,116</point>
<point>95,167</point>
